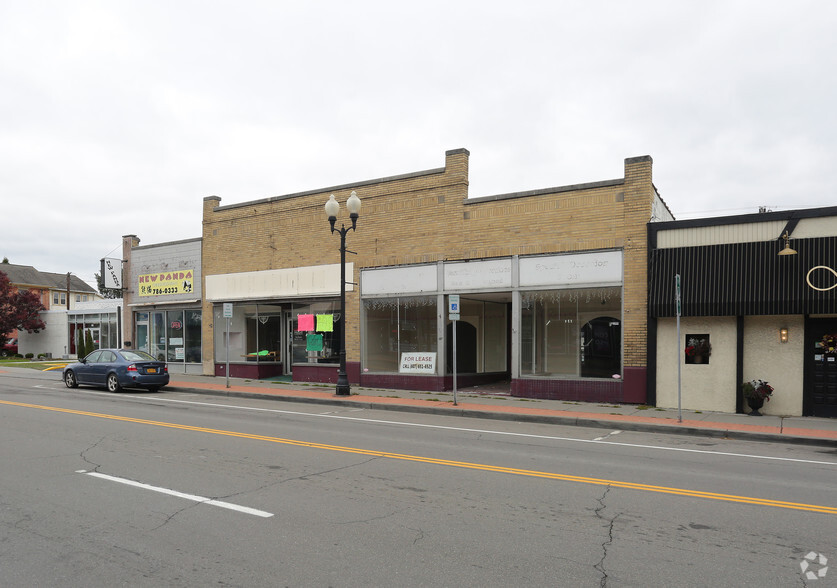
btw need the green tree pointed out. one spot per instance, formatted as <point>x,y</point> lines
<point>106,292</point>
<point>89,345</point>
<point>81,350</point>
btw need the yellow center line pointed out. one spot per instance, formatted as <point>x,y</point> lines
<point>451,463</point>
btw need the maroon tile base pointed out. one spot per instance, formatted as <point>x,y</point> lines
<point>400,382</point>
<point>255,370</point>
<point>634,386</point>
<point>630,390</point>
<point>428,383</point>
<point>325,372</point>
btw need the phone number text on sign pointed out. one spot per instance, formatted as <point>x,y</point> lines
<point>418,363</point>
<point>164,283</point>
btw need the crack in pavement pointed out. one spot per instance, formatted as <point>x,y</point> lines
<point>600,567</point>
<point>83,455</point>
<point>419,534</point>
<point>323,472</point>
<point>170,517</point>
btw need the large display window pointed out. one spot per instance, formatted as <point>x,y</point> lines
<point>103,329</point>
<point>573,333</point>
<point>272,332</point>
<point>170,335</point>
<point>192,336</point>
<point>263,331</point>
<point>397,325</point>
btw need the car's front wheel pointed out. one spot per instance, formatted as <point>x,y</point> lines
<point>113,383</point>
<point>70,379</point>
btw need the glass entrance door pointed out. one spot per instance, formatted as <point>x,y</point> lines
<point>295,350</point>
<point>157,340</point>
<point>142,337</point>
<point>97,341</point>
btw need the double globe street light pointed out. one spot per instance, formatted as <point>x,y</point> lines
<point>332,208</point>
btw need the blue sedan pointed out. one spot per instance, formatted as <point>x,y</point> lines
<point>117,369</point>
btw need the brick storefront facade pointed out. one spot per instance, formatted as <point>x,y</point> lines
<point>425,218</point>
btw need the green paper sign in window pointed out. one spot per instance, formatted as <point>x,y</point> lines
<point>314,342</point>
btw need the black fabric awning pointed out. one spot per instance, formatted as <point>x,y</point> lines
<point>744,279</point>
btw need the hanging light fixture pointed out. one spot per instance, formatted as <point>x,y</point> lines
<point>787,250</point>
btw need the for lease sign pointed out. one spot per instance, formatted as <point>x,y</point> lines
<point>166,283</point>
<point>418,363</point>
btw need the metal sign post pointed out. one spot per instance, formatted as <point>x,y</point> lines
<point>678,347</point>
<point>228,312</point>
<point>453,314</point>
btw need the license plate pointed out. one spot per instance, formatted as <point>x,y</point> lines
<point>151,370</point>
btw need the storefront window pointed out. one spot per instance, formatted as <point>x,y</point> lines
<point>323,345</point>
<point>271,333</point>
<point>193,335</point>
<point>263,332</point>
<point>171,335</point>
<point>113,331</point>
<point>174,337</point>
<point>102,327</point>
<point>157,338</point>
<point>572,333</point>
<point>93,325</point>
<point>398,325</point>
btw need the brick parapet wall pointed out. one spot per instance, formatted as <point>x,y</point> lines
<point>639,199</point>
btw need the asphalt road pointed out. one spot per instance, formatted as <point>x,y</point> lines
<point>173,489</point>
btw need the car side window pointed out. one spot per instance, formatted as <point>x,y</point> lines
<point>107,357</point>
<point>93,357</point>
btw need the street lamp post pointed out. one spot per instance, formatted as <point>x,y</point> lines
<point>332,207</point>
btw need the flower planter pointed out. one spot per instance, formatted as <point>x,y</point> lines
<point>756,393</point>
<point>755,404</point>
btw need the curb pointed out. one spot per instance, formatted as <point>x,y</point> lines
<point>719,433</point>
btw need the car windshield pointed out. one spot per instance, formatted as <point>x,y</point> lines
<point>136,355</point>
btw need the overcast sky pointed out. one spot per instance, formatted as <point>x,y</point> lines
<point>119,117</point>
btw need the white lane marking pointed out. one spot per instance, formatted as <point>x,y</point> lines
<point>193,497</point>
<point>608,435</point>
<point>464,429</point>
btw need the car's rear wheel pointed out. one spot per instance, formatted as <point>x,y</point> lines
<point>70,379</point>
<point>113,383</point>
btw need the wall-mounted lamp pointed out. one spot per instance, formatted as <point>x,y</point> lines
<point>787,250</point>
<point>783,335</point>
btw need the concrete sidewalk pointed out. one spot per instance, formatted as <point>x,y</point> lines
<point>486,402</point>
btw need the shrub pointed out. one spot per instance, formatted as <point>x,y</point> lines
<point>80,343</point>
<point>30,355</point>
<point>89,346</point>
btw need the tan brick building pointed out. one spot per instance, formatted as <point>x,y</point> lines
<point>552,284</point>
